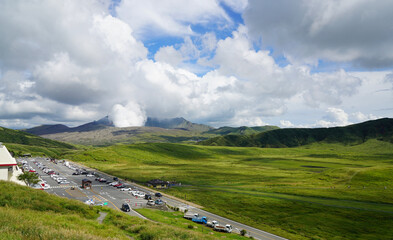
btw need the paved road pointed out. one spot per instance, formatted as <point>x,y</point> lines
<point>102,193</point>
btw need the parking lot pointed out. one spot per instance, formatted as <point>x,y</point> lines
<point>65,180</point>
<point>59,178</point>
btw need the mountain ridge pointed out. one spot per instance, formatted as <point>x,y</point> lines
<point>105,122</point>
<point>381,129</point>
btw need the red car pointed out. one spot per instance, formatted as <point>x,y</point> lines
<point>118,185</point>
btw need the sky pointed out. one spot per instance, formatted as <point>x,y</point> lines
<point>289,63</point>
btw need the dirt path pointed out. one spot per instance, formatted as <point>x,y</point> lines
<point>102,217</point>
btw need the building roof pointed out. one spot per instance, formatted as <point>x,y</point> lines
<point>5,157</point>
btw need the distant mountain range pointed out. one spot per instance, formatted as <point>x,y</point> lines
<point>103,132</point>
<point>167,123</point>
<point>60,128</point>
<point>381,129</point>
<point>176,123</point>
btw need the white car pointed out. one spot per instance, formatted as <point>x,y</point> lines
<point>114,183</point>
<point>89,175</point>
<point>141,195</point>
<point>64,182</point>
<point>134,193</point>
<point>125,189</point>
<point>59,180</point>
<point>89,202</point>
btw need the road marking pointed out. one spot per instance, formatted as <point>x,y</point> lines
<point>105,199</point>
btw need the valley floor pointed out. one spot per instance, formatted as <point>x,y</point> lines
<point>322,191</point>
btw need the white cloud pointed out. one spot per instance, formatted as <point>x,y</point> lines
<point>360,117</point>
<point>73,62</point>
<point>169,17</point>
<point>236,5</point>
<point>358,32</point>
<point>127,116</point>
<point>170,55</point>
<point>286,124</point>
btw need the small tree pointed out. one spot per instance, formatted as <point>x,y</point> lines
<point>29,178</point>
<point>243,232</point>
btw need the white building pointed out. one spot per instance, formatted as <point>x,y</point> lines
<point>9,170</point>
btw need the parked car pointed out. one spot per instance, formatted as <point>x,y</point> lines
<point>126,189</point>
<point>148,197</point>
<point>117,185</point>
<point>150,203</point>
<point>125,207</point>
<point>141,195</point>
<point>113,183</point>
<point>121,186</point>
<point>158,194</point>
<point>115,179</point>
<point>102,180</point>
<point>89,175</point>
<point>159,202</point>
<point>75,173</point>
<point>89,202</point>
<point>212,223</point>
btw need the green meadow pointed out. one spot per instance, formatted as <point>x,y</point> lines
<point>318,191</point>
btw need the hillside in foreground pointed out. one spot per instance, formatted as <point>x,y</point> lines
<point>26,213</point>
<point>381,129</point>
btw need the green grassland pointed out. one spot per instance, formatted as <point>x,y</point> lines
<point>317,191</point>
<point>33,214</point>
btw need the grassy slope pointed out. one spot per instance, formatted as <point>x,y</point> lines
<point>241,130</point>
<point>20,142</point>
<point>292,137</point>
<point>33,214</point>
<point>299,193</point>
<point>20,137</point>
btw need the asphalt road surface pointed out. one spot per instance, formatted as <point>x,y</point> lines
<point>114,198</point>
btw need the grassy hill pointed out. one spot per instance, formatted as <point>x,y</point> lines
<point>241,130</point>
<point>21,142</point>
<point>26,213</point>
<point>20,137</point>
<point>319,191</point>
<point>381,129</point>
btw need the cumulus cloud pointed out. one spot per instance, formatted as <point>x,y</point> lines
<point>126,116</point>
<point>168,17</point>
<point>358,32</point>
<point>73,62</point>
<point>286,124</point>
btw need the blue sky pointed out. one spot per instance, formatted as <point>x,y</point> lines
<point>217,62</point>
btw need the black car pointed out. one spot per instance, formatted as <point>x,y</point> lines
<point>148,197</point>
<point>75,173</point>
<point>158,194</point>
<point>125,207</point>
<point>115,179</point>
